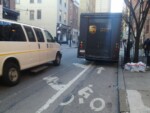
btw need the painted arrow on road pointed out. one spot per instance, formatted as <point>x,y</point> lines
<point>100,70</point>
<point>80,65</point>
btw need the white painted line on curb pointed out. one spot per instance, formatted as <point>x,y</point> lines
<point>136,103</point>
<point>59,93</point>
<point>80,65</point>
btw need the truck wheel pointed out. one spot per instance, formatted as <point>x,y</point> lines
<point>11,74</point>
<point>57,60</point>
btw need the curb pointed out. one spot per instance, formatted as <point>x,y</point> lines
<point>123,101</point>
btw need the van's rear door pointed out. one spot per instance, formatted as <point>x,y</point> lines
<point>99,38</point>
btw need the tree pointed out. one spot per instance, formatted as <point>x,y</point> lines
<point>138,10</point>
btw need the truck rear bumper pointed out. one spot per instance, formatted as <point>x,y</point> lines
<point>100,58</point>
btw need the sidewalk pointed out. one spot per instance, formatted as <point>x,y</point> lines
<point>134,89</point>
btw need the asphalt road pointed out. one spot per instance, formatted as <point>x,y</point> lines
<point>76,86</point>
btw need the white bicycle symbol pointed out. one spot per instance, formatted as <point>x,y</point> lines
<point>85,93</point>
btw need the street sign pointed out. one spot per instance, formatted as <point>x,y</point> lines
<point>1,11</point>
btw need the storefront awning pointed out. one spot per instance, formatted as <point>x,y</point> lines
<point>10,14</point>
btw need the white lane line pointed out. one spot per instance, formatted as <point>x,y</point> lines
<point>80,65</point>
<point>59,93</point>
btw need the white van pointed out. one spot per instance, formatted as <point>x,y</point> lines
<point>24,46</point>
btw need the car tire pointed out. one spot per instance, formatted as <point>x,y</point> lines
<point>11,74</point>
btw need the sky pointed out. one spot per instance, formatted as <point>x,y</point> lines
<point>116,5</point>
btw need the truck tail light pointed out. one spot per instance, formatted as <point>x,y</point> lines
<point>117,46</point>
<point>81,45</point>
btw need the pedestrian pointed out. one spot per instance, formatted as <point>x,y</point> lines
<point>146,47</point>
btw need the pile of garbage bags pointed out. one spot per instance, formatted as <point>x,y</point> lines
<point>135,67</point>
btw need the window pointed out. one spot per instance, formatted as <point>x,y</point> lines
<point>60,13</point>
<point>65,3</point>
<point>65,17</point>
<point>38,14</point>
<point>60,1</point>
<point>39,1</point>
<point>11,32</point>
<point>60,18</point>
<point>31,1</point>
<point>31,14</point>
<point>17,1</point>
<point>30,34</point>
<point>6,3</point>
<point>71,6</point>
<point>65,21</point>
<point>39,35</point>
<point>48,36</point>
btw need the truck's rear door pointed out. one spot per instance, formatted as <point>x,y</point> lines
<point>99,38</point>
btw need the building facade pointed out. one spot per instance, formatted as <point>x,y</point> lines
<point>87,6</point>
<point>103,6</point>
<point>73,12</point>
<point>146,30</point>
<point>49,14</point>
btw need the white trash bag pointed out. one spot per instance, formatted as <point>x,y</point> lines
<point>135,67</point>
<point>127,67</point>
<point>142,66</point>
